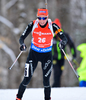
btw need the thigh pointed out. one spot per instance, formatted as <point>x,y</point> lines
<point>61,65</point>
<point>60,62</point>
<point>31,64</point>
<point>47,68</point>
<point>56,69</point>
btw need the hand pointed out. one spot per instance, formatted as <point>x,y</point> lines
<point>69,57</point>
<point>62,45</point>
<point>23,47</point>
<point>75,62</point>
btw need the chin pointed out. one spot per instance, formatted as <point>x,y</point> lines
<point>42,24</point>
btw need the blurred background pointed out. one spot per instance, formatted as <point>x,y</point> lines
<point>15,16</point>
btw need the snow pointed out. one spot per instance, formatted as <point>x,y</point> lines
<point>63,93</point>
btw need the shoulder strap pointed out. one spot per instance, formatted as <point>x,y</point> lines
<point>35,25</point>
<point>49,22</point>
<point>50,26</point>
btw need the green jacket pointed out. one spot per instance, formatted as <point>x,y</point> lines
<point>82,69</point>
<point>57,53</point>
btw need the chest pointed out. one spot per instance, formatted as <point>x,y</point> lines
<point>42,32</point>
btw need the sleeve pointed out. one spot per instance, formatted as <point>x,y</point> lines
<point>26,32</point>
<point>71,45</point>
<point>58,32</point>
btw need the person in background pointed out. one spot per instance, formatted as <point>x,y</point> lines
<point>42,30</point>
<point>82,69</point>
<point>58,56</point>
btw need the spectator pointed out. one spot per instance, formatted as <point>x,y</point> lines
<point>82,69</point>
<point>58,56</point>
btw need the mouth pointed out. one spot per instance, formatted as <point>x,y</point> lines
<point>42,23</point>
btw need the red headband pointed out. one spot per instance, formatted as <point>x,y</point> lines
<point>42,12</point>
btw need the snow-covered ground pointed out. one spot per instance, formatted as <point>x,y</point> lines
<point>63,93</point>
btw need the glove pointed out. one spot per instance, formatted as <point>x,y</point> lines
<point>62,44</point>
<point>69,57</point>
<point>23,47</point>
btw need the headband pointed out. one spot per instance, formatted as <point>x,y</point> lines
<point>42,12</point>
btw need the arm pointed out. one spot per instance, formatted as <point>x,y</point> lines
<point>26,33</point>
<point>58,32</point>
<point>71,45</point>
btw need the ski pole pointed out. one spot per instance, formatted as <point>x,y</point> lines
<point>15,60</point>
<point>46,3</point>
<point>70,64</point>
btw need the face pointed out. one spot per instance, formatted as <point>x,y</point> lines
<point>42,20</point>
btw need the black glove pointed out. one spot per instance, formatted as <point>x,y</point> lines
<point>62,44</point>
<point>23,47</point>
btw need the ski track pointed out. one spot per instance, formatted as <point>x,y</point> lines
<point>62,93</point>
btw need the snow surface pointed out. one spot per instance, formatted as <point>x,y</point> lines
<point>63,93</point>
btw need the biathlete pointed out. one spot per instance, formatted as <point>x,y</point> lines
<point>42,30</point>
